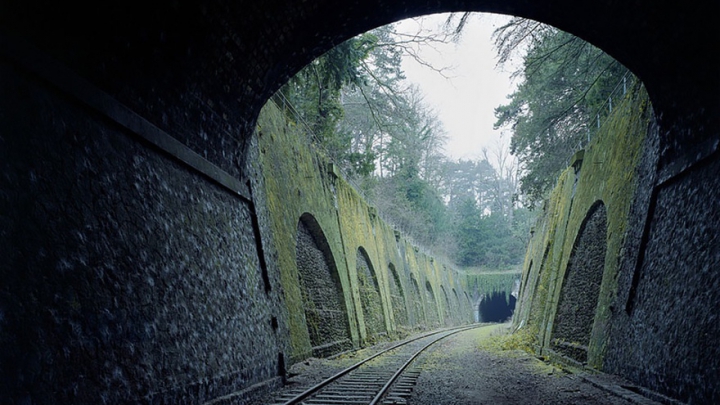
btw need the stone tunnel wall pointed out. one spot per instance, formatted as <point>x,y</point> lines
<point>299,181</point>
<point>581,287</point>
<point>127,276</point>
<point>591,181</point>
<point>115,289</point>
<point>137,271</point>
<point>323,302</point>
<point>653,315</point>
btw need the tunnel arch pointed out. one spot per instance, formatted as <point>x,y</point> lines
<point>282,36</point>
<point>162,68</point>
<point>370,297</point>
<point>323,297</point>
<point>580,291</point>
<point>398,298</point>
<point>606,24</point>
<point>497,306</point>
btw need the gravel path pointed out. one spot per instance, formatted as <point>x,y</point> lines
<point>465,369</point>
<point>474,368</point>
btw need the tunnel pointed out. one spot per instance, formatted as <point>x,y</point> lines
<point>497,306</point>
<point>139,260</point>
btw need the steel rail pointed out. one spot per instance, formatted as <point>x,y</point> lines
<point>319,386</point>
<point>402,368</point>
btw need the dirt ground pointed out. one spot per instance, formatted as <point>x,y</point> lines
<point>473,368</point>
<point>476,367</point>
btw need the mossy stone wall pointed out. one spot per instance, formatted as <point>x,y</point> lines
<point>370,299</point>
<point>604,173</point>
<point>398,300</point>
<point>323,301</point>
<point>581,287</point>
<point>300,181</point>
<point>127,277</point>
<point>655,321</point>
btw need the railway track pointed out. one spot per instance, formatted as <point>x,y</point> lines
<point>384,378</point>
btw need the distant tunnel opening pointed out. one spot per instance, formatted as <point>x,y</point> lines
<point>496,307</point>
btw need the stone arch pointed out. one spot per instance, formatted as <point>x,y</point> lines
<point>370,299</point>
<point>322,294</point>
<point>308,33</point>
<point>580,290</point>
<point>417,303</point>
<point>470,314</point>
<point>446,308</point>
<point>632,47</point>
<point>432,314</point>
<point>538,297</point>
<point>398,298</point>
<point>457,310</point>
<point>524,282</point>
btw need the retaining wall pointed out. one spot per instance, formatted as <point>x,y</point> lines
<point>300,181</point>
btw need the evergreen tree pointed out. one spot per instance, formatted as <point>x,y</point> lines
<point>565,81</point>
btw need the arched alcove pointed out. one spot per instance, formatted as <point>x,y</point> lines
<point>538,296</point>
<point>418,314</point>
<point>581,287</point>
<point>323,299</point>
<point>431,310</point>
<point>458,308</point>
<point>469,312</point>
<point>446,308</point>
<point>370,299</point>
<point>397,298</point>
<point>497,306</point>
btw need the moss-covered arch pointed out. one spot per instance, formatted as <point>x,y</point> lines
<point>467,308</point>
<point>432,313</point>
<point>458,308</point>
<point>325,312</point>
<point>370,298</point>
<point>398,298</point>
<point>418,312</point>
<point>579,294</point>
<point>447,315</point>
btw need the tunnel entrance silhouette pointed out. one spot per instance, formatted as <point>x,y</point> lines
<point>497,306</point>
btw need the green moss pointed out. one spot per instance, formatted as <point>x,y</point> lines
<point>607,174</point>
<point>299,179</point>
<point>489,282</point>
<point>502,339</point>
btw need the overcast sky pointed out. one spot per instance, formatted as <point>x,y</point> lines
<point>466,100</point>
